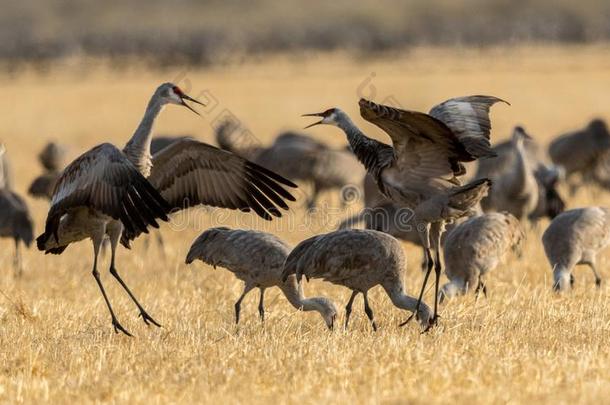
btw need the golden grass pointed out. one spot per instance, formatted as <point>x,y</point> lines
<point>522,344</point>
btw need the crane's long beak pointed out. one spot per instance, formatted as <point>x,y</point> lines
<point>313,115</point>
<point>185,97</point>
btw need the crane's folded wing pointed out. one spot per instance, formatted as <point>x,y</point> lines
<point>105,181</point>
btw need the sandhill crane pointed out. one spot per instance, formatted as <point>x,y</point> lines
<point>298,157</point>
<point>106,192</point>
<point>475,247</point>
<point>256,258</point>
<point>515,168</point>
<point>420,170</point>
<point>579,152</point>
<point>52,160</point>
<point>359,260</point>
<point>15,220</point>
<point>575,237</point>
<point>515,186</point>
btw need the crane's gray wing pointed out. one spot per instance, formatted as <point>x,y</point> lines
<point>188,173</point>
<point>104,180</point>
<point>424,147</point>
<point>468,118</point>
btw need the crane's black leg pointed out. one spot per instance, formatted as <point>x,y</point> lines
<point>591,264</point>
<point>429,264</point>
<point>437,269</point>
<point>261,306</point>
<point>369,311</point>
<point>97,243</point>
<point>114,240</point>
<point>348,308</point>
<point>161,244</point>
<point>424,235</point>
<point>17,262</point>
<point>247,289</point>
<point>424,261</point>
<point>481,287</point>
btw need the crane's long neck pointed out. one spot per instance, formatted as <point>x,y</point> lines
<point>366,149</point>
<point>356,138</point>
<point>401,300</point>
<point>137,149</point>
<point>294,294</point>
<point>522,173</point>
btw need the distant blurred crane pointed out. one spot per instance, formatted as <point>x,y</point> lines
<point>514,172</point>
<point>579,152</point>
<point>52,159</point>
<point>15,220</point>
<point>515,187</point>
<point>298,157</point>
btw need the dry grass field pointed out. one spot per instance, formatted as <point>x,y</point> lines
<point>521,344</point>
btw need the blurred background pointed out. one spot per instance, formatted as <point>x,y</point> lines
<point>204,32</point>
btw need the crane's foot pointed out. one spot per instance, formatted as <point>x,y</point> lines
<point>119,328</point>
<point>148,319</point>
<point>408,319</point>
<point>598,282</point>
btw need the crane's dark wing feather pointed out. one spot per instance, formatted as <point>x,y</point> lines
<point>104,181</point>
<point>189,173</point>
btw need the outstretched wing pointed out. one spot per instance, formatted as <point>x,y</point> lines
<point>468,118</point>
<point>424,147</point>
<point>104,180</point>
<point>188,173</point>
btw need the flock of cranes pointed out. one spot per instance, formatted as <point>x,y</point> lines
<point>412,191</point>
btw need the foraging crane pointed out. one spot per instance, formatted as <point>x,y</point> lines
<point>359,260</point>
<point>420,169</point>
<point>547,176</point>
<point>15,220</point>
<point>52,160</point>
<point>256,258</point>
<point>576,237</point>
<point>120,193</point>
<point>475,247</point>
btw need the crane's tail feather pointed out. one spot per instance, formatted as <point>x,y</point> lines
<point>466,197</point>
